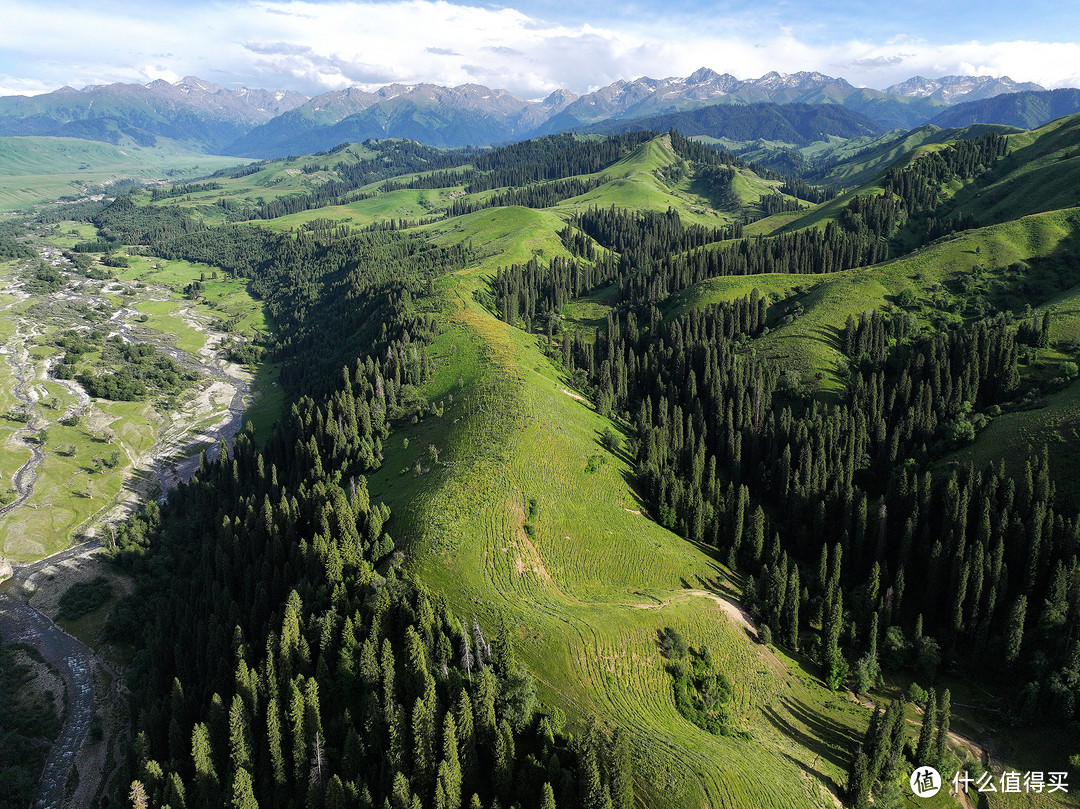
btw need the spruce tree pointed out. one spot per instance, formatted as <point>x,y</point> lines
<point>1014,630</point>
<point>791,611</point>
<point>239,736</point>
<point>243,795</point>
<point>941,736</point>
<point>858,786</point>
<point>206,780</point>
<point>836,668</point>
<point>547,796</point>
<point>925,748</point>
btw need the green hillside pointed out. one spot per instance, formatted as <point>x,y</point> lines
<point>601,419</point>
<point>38,169</point>
<point>1041,173</point>
<point>935,275</point>
<point>574,581</point>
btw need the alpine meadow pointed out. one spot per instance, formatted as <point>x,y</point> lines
<point>695,443</point>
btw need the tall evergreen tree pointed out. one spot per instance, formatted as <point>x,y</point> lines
<point>924,750</point>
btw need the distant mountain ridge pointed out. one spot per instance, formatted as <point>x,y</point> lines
<point>959,89</point>
<point>192,110</point>
<point>262,123</point>
<point>798,124</point>
<point>1027,109</point>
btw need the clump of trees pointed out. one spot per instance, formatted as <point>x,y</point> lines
<point>83,597</point>
<point>703,694</point>
<point>139,370</point>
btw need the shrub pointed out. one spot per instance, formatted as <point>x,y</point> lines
<point>83,597</point>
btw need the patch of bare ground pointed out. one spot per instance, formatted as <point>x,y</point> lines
<point>528,557</point>
<point>731,608</point>
<point>52,581</point>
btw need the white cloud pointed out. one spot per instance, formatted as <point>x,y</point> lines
<point>315,46</point>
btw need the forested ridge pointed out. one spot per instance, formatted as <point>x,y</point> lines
<point>860,550</point>
<point>286,653</point>
<point>658,255</point>
<point>285,658</point>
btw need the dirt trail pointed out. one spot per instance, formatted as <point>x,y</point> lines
<point>732,608</point>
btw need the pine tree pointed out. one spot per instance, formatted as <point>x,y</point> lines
<point>858,786</point>
<point>941,736</point>
<point>423,747</point>
<point>466,653</point>
<point>504,760</point>
<point>591,792</point>
<point>239,736</point>
<point>791,611</point>
<point>925,748</point>
<point>176,722</point>
<point>317,772</point>
<point>484,705</point>
<point>137,796</point>
<point>243,795</point>
<point>1014,630</point>
<point>206,779</point>
<point>448,786</point>
<point>836,668</point>
<point>299,731</point>
<point>547,796</point>
<point>273,728</point>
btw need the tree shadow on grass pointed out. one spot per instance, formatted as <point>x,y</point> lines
<point>827,739</point>
<point>620,449</point>
<point>827,781</point>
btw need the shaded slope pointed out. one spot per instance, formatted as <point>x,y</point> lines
<point>1026,110</point>
<point>790,123</point>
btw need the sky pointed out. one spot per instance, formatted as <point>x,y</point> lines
<point>530,47</point>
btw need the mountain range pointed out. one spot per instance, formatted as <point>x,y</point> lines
<point>262,123</point>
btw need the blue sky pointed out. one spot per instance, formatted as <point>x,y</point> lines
<point>530,46</point>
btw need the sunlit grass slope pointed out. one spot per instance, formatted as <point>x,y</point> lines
<point>525,513</point>
<point>809,343</point>
<point>1040,173</point>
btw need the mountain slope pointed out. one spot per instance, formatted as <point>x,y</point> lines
<point>437,116</point>
<point>1041,173</point>
<point>960,89</point>
<point>523,499</point>
<point>259,123</point>
<point>798,124</point>
<point>194,111</point>
<point>1026,110</point>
